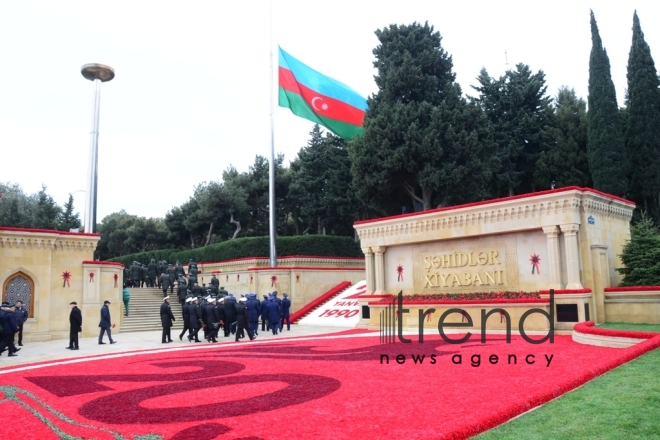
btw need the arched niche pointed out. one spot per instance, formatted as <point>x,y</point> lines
<point>19,286</point>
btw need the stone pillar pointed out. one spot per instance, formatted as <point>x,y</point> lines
<point>379,269</point>
<point>369,269</point>
<point>572,255</point>
<point>552,235</point>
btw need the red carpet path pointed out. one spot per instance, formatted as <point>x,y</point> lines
<point>311,388</point>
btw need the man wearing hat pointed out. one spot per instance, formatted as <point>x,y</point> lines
<point>171,273</point>
<point>75,326</point>
<point>212,320</point>
<point>242,317</point>
<point>279,304</point>
<point>230,315</point>
<point>195,320</point>
<point>165,283</point>
<point>215,282</point>
<point>186,318</point>
<point>274,314</point>
<point>9,328</point>
<point>105,323</point>
<point>166,318</point>
<point>264,313</point>
<point>286,307</point>
<point>254,311</point>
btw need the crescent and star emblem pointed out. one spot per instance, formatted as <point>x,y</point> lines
<point>324,106</point>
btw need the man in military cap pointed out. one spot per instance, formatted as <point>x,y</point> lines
<point>254,311</point>
<point>153,272</point>
<point>181,290</point>
<point>195,320</point>
<point>264,313</point>
<point>222,291</point>
<point>197,289</point>
<point>135,274</point>
<point>242,316</point>
<point>162,268</point>
<point>167,319</point>
<point>165,283</point>
<point>186,318</point>
<point>145,276</point>
<point>230,315</point>
<point>279,304</point>
<point>212,320</point>
<point>215,282</point>
<point>171,273</point>
<point>274,314</point>
<point>286,311</point>
<point>180,271</point>
<point>192,271</point>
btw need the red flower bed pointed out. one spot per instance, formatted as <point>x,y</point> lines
<point>632,289</point>
<point>311,388</point>
<point>589,329</point>
<point>566,291</point>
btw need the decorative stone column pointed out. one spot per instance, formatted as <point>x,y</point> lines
<point>369,269</point>
<point>552,235</point>
<point>379,268</point>
<point>572,255</point>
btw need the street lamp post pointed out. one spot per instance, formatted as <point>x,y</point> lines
<point>97,73</point>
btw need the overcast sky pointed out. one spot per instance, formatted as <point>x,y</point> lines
<point>191,92</point>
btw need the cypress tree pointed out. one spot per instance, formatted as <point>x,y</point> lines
<point>641,256</point>
<point>642,134</point>
<point>607,159</point>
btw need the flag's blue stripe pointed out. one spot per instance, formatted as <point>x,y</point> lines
<point>317,81</point>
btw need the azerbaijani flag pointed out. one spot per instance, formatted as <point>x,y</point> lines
<point>314,96</point>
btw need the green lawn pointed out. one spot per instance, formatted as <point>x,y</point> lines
<point>628,326</point>
<point>621,404</point>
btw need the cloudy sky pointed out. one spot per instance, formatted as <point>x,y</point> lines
<point>191,93</point>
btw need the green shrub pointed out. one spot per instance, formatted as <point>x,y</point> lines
<point>641,256</point>
<point>319,245</point>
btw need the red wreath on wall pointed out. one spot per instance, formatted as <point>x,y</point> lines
<point>116,277</point>
<point>297,278</point>
<point>91,277</point>
<point>66,276</point>
<point>535,260</point>
<point>399,271</point>
<point>226,278</point>
<point>238,277</point>
<point>273,280</point>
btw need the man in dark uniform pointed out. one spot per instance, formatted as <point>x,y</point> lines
<point>186,318</point>
<point>9,327</point>
<point>165,283</point>
<point>75,326</point>
<point>274,315</point>
<point>197,289</point>
<point>212,320</point>
<point>286,307</point>
<point>181,290</point>
<point>213,289</point>
<point>192,272</point>
<point>254,311</point>
<point>222,292</point>
<point>126,278</point>
<point>264,313</point>
<point>166,318</point>
<point>230,315</point>
<point>242,316</point>
<point>180,271</point>
<point>21,317</point>
<point>279,304</point>
<point>145,276</point>
<point>135,274</point>
<point>215,282</point>
<point>171,273</point>
<point>153,273</point>
<point>162,268</point>
<point>195,320</point>
<point>105,323</point>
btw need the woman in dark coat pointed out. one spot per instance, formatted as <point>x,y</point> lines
<point>166,318</point>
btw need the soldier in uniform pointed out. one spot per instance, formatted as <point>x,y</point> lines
<point>212,320</point>
<point>197,290</point>
<point>242,316</point>
<point>165,283</point>
<point>213,289</point>
<point>254,310</point>
<point>162,268</point>
<point>279,304</point>
<point>274,315</point>
<point>230,315</point>
<point>166,318</point>
<point>192,271</point>
<point>186,318</point>
<point>181,290</point>
<point>171,273</point>
<point>215,282</point>
<point>286,307</point>
<point>153,272</point>
<point>195,320</point>
<point>180,271</point>
<point>222,291</point>
<point>135,274</point>
<point>145,276</point>
<point>264,313</point>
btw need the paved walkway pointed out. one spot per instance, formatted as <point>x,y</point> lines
<point>56,350</point>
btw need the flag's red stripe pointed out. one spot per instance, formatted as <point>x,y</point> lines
<point>336,109</point>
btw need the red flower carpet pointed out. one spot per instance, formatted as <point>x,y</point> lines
<point>336,387</point>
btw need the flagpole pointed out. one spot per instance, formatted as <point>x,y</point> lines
<point>271,171</point>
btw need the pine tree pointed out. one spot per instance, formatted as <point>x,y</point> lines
<point>565,161</point>
<point>48,213</point>
<point>642,134</point>
<point>69,220</point>
<point>607,159</point>
<point>641,256</point>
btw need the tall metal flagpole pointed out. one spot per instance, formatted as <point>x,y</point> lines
<point>97,73</point>
<point>271,169</point>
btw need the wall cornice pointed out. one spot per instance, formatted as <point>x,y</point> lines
<point>53,240</point>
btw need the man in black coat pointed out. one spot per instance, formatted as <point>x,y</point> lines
<point>166,318</point>
<point>153,272</point>
<point>195,320</point>
<point>222,292</point>
<point>9,328</point>
<point>254,311</point>
<point>264,313</point>
<point>215,282</point>
<point>286,307</point>
<point>21,317</point>
<point>165,283</point>
<point>212,320</point>
<point>197,289</point>
<point>180,271</point>
<point>230,315</point>
<point>75,325</point>
<point>135,274</point>
<point>242,317</point>
<point>274,315</point>
<point>181,290</point>
<point>171,273</point>
<point>105,323</point>
<point>186,318</point>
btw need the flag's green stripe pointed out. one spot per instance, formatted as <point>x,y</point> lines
<point>299,107</point>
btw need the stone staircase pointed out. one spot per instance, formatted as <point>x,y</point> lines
<point>144,310</point>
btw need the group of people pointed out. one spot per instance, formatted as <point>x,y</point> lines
<point>159,274</point>
<point>12,319</point>
<point>222,311</point>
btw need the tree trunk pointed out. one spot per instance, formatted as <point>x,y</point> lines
<point>192,241</point>
<point>427,193</point>
<point>238,226</point>
<point>209,235</point>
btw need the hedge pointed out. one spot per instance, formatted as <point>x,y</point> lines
<point>319,245</point>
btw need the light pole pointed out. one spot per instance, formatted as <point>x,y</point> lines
<point>76,192</point>
<point>97,73</point>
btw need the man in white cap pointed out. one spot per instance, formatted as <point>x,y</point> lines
<point>195,320</point>
<point>212,320</point>
<point>186,318</point>
<point>242,320</point>
<point>166,318</point>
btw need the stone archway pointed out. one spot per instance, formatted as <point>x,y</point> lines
<point>19,287</point>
